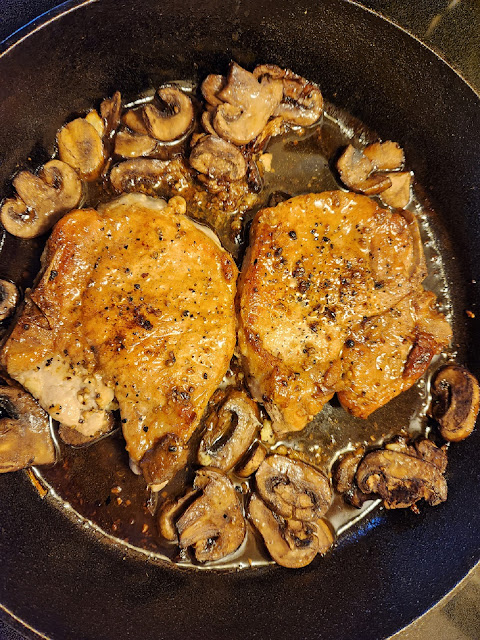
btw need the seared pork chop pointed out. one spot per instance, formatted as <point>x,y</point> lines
<point>317,267</point>
<point>134,309</point>
<point>386,354</point>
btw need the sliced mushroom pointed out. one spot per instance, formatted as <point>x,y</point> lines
<point>293,489</point>
<point>111,110</point>
<point>251,461</point>
<point>344,478</point>
<point>133,145</point>
<point>247,105</point>
<point>218,159</point>
<point>400,479</point>
<point>8,299</point>
<point>429,452</point>
<point>385,156</point>
<point>231,429</point>
<point>291,543</point>
<point>160,464</point>
<point>207,121</point>
<point>211,86</point>
<point>81,147</point>
<point>355,171</point>
<point>25,437</point>
<point>214,524</point>
<point>133,119</point>
<point>96,121</point>
<point>175,120</point>
<point>455,402</point>
<point>302,102</point>
<point>139,174</point>
<point>398,195</point>
<point>170,512</point>
<point>42,200</point>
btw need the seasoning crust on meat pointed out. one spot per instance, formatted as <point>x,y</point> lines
<point>318,266</point>
<point>134,309</point>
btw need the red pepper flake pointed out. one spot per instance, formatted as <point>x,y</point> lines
<point>469,313</point>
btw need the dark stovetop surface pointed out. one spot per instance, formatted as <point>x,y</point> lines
<point>451,27</point>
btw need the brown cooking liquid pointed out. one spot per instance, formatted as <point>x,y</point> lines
<point>95,484</point>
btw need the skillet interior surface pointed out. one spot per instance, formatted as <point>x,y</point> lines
<point>59,578</point>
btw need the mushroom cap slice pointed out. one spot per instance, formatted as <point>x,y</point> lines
<point>455,402</point>
<point>230,431</point>
<point>25,436</point>
<point>291,543</point>
<point>218,159</point>
<point>302,102</point>
<point>251,461</point>
<point>211,86</point>
<point>401,479</point>
<point>110,110</point>
<point>42,200</point>
<point>247,105</point>
<point>214,524</point>
<point>164,460</point>
<point>81,147</point>
<point>356,170</point>
<point>398,194</point>
<point>133,145</point>
<point>170,512</point>
<point>293,489</point>
<point>148,175</point>
<point>133,119</point>
<point>8,298</point>
<point>385,156</point>
<point>175,120</point>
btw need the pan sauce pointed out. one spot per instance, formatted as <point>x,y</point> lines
<point>95,485</point>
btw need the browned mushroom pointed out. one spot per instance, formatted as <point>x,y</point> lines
<point>344,478</point>
<point>356,171</point>
<point>455,402</point>
<point>211,86</point>
<point>42,200</point>
<point>293,489</point>
<point>302,102</point>
<point>8,299</point>
<point>25,436</point>
<point>170,512</point>
<point>218,159</point>
<point>291,543</point>
<point>207,121</point>
<point>176,118</point>
<point>148,175</point>
<point>251,460</point>
<point>230,431</point>
<point>247,105</point>
<point>110,110</point>
<point>400,479</point>
<point>133,145</point>
<point>385,156</point>
<point>133,119</point>
<point>429,452</point>
<point>214,524</point>
<point>398,195</point>
<point>96,121</point>
<point>81,147</point>
<point>164,460</point>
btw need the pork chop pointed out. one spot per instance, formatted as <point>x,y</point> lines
<point>317,266</point>
<point>386,354</point>
<point>134,309</point>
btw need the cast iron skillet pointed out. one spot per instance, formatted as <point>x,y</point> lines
<point>60,580</point>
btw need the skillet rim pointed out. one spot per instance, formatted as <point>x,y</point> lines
<point>56,13</point>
